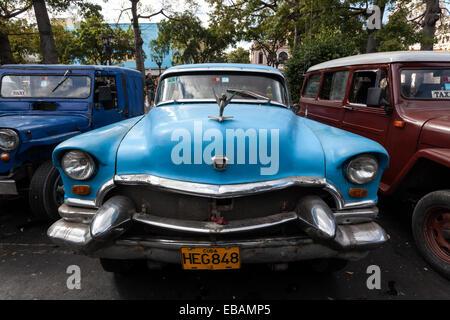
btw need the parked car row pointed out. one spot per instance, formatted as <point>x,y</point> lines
<point>222,172</point>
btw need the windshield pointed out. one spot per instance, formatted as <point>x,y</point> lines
<point>43,86</point>
<point>425,84</point>
<point>204,86</point>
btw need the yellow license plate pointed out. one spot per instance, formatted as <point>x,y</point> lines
<point>210,258</point>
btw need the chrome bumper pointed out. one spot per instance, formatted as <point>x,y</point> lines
<point>346,234</point>
<point>8,188</point>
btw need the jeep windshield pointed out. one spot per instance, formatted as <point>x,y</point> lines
<point>425,84</point>
<point>248,88</point>
<point>42,86</point>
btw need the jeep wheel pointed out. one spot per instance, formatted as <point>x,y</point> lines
<point>431,230</point>
<point>46,192</point>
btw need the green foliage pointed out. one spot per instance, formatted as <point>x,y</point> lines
<point>190,41</point>
<point>88,45</point>
<point>240,55</point>
<point>323,48</point>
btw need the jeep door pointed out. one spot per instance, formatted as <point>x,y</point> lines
<point>110,111</point>
<point>323,97</point>
<point>371,122</point>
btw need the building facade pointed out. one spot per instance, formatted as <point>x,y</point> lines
<point>261,56</point>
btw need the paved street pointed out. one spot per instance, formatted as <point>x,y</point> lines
<point>33,268</point>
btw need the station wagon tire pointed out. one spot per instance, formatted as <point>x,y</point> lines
<point>118,266</point>
<point>431,228</point>
<point>46,192</point>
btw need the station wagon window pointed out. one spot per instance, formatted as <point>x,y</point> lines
<point>425,84</point>
<point>312,86</point>
<point>45,86</point>
<point>365,79</point>
<point>203,86</point>
<point>334,85</point>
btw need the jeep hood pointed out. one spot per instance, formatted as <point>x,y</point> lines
<point>36,127</point>
<point>177,142</point>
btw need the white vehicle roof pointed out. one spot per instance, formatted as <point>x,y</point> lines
<point>385,57</point>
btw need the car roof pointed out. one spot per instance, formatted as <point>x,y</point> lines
<point>65,67</point>
<point>223,67</point>
<point>385,57</point>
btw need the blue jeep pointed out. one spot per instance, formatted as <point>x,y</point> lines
<point>43,105</point>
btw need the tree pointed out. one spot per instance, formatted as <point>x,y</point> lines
<point>48,47</point>
<point>8,10</point>
<point>432,15</point>
<point>239,55</point>
<point>323,47</point>
<point>190,41</point>
<point>157,52</point>
<point>88,45</point>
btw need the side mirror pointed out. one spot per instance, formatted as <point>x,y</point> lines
<point>295,108</point>
<point>374,97</point>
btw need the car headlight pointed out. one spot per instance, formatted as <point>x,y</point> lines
<point>9,140</point>
<point>78,165</point>
<point>362,169</point>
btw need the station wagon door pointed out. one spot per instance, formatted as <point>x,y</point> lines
<point>327,106</point>
<point>370,122</point>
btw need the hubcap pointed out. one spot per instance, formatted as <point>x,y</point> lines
<point>437,230</point>
<point>58,194</point>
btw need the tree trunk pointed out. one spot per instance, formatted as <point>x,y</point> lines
<point>432,15</point>
<point>372,42</point>
<point>48,47</point>
<point>138,42</point>
<point>6,56</point>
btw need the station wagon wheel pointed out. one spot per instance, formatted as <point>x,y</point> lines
<point>431,229</point>
<point>46,192</point>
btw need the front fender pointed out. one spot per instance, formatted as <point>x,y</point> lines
<point>102,144</point>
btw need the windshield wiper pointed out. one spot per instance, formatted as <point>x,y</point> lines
<point>65,77</point>
<point>249,93</point>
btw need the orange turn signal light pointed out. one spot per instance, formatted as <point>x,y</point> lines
<point>399,124</point>
<point>5,157</point>
<point>358,193</point>
<point>81,190</point>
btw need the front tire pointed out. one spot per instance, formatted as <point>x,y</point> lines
<point>46,192</point>
<point>431,230</point>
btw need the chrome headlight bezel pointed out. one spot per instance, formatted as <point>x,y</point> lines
<point>361,163</point>
<point>13,134</point>
<point>84,159</point>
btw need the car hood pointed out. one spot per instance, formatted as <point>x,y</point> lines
<point>32,127</point>
<point>436,132</point>
<point>178,141</point>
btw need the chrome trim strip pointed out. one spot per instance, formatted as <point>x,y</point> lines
<point>218,191</point>
<point>214,228</point>
<point>213,69</point>
<point>81,203</point>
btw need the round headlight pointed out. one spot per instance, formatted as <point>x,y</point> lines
<point>78,165</point>
<point>9,140</point>
<point>362,169</point>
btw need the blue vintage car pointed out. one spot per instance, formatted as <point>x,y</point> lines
<point>43,105</point>
<point>221,172</point>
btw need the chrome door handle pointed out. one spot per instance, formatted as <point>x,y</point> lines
<point>348,108</point>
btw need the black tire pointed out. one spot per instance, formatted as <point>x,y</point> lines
<point>46,192</point>
<point>122,267</point>
<point>327,265</point>
<point>429,216</point>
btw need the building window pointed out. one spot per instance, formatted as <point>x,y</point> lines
<point>261,58</point>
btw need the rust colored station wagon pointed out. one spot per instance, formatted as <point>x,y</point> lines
<point>402,101</point>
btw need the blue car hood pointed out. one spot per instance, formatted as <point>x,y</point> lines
<point>176,142</point>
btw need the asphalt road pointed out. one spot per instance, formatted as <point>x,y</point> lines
<point>31,267</point>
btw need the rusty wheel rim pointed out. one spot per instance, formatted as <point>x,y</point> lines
<point>436,229</point>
